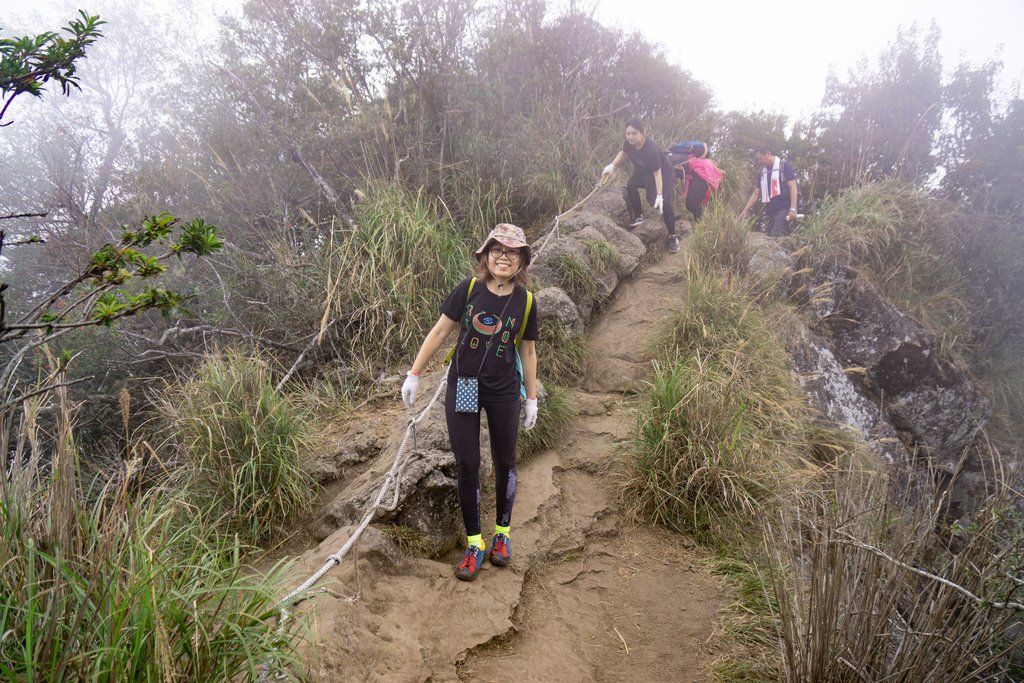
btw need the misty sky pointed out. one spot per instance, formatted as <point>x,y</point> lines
<point>725,43</point>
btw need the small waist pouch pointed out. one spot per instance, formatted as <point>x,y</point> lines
<point>467,395</point>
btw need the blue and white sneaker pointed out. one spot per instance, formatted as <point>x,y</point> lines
<point>501,550</point>
<point>470,565</point>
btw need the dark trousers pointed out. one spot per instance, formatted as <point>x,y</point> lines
<point>464,434</point>
<point>645,182</point>
<point>695,191</point>
<point>776,225</point>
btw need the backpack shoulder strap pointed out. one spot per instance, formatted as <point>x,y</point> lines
<point>451,352</point>
<point>526,318</point>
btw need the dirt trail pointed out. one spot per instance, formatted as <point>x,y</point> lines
<point>588,596</point>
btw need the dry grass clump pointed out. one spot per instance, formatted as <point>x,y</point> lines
<point>553,419</point>
<point>563,357</point>
<point>239,446</point>
<point>874,593</point>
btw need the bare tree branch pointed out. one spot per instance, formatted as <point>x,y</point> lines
<point>42,390</point>
<point>312,342</point>
<point>44,214</point>
<point>981,602</point>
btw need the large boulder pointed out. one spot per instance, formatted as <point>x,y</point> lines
<point>556,304</point>
<point>427,498</point>
<point>838,400</point>
<point>926,396</point>
<point>609,201</point>
<point>549,267</point>
<point>629,247</point>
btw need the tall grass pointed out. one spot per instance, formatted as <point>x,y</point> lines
<point>563,358</point>
<point>553,419</point>
<point>387,275</point>
<point>721,418</point>
<point>239,446</point>
<point>575,276</point>
<point>720,240</point>
<point>876,594</point>
<point>126,587</point>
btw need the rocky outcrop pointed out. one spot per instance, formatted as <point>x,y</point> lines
<point>427,498</point>
<point>838,400</point>
<point>556,304</point>
<point>898,362</point>
<point>630,248</point>
<point>868,366</point>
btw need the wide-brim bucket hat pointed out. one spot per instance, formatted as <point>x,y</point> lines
<point>510,235</point>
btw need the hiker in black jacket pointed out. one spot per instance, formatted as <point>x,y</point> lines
<point>653,173</point>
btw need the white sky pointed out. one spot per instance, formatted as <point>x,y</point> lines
<point>722,42</point>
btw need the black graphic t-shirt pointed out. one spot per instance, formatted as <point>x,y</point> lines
<point>486,345</point>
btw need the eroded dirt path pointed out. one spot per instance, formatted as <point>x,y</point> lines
<point>589,596</point>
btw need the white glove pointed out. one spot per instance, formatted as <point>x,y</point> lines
<point>658,203</point>
<point>608,170</point>
<point>531,414</point>
<point>409,387</point>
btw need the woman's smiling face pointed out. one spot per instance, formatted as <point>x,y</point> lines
<point>503,261</point>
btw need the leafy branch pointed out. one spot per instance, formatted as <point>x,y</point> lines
<point>97,296</point>
<point>27,63</point>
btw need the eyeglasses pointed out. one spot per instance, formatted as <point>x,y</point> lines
<point>510,254</point>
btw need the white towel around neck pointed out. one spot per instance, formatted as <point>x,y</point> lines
<point>776,181</point>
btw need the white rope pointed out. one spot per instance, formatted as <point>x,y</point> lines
<point>394,475</point>
<point>559,217</point>
<point>392,478</point>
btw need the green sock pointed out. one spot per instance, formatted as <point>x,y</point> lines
<point>501,529</point>
<point>477,541</point>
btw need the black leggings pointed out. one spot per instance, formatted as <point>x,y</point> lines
<point>464,434</point>
<point>695,191</point>
<point>637,182</point>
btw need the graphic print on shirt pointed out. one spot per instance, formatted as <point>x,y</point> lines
<point>486,327</point>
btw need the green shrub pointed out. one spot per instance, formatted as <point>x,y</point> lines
<point>575,276</point>
<point>239,445</point>
<point>561,358</point>
<point>553,418</point>
<point>128,587</point>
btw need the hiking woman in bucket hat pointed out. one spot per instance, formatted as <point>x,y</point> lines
<point>497,321</point>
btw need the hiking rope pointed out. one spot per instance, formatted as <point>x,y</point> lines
<point>393,476</point>
<point>559,217</point>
